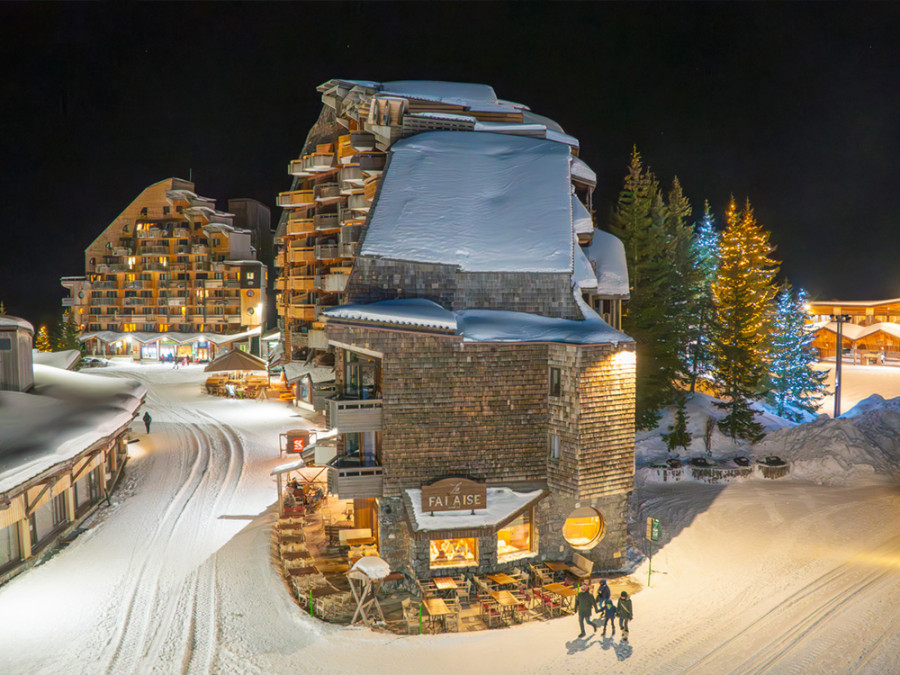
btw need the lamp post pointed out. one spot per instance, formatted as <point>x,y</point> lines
<point>841,319</point>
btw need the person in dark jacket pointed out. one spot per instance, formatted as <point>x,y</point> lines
<point>147,419</point>
<point>584,603</point>
<point>625,613</point>
<point>602,594</point>
<point>608,613</point>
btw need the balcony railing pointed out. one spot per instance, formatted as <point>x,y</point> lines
<point>350,480</point>
<point>300,226</point>
<point>371,164</point>
<point>319,162</point>
<point>301,312</point>
<point>301,255</point>
<point>295,198</point>
<point>354,415</point>
<point>362,140</point>
<point>296,168</point>
<point>326,251</point>
<point>371,188</point>
<point>349,249</point>
<point>358,203</point>
<point>328,192</point>
<point>327,221</point>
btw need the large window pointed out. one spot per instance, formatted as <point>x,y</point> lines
<point>584,528</point>
<point>361,375</point>
<point>10,551</point>
<point>515,539</point>
<point>453,552</point>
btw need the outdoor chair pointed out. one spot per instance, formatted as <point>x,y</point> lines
<point>410,616</point>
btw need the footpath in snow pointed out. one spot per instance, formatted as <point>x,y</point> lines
<point>798,575</point>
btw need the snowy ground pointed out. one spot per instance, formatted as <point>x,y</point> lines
<point>799,575</point>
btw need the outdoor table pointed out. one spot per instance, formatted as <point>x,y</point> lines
<point>361,541</point>
<point>502,579</point>
<point>507,602</point>
<point>293,539</point>
<point>556,567</point>
<point>445,584</point>
<point>566,593</point>
<point>437,609</point>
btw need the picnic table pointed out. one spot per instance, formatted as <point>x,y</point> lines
<point>301,571</point>
<point>437,609</point>
<point>565,593</point>
<point>507,602</point>
<point>293,539</point>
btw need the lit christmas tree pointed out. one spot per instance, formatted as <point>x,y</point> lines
<point>42,340</point>
<point>705,253</point>
<point>795,386</point>
<point>742,298</point>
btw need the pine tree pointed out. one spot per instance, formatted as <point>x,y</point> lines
<point>742,298</point>
<point>705,254</point>
<point>795,386</point>
<point>67,333</point>
<point>678,436</point>
<point>654,236</point>
<point>42,340</point>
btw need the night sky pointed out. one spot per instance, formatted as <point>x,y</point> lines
<point>794,106</point>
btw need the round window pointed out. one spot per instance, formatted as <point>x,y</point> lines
<point>249,294</point>
<point>81,294</point>
<point>584,528</point>
<point>250,311</point>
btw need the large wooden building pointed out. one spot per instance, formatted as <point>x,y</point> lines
<point>870,335</point>
<point>483,414</point>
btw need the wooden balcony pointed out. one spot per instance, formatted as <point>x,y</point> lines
<point>349,480</point>
<point>358,203</point>
<point>331,283</point>
<point>300,255</point>
<point>351,179</point>
<point>354,415</point>
<point>279,259</point>
<point>372,164</point>
<point>362,141</point>
<point>346,151</point>
<point>328,193</point>
<point>327,221</point>
<point>303,284</point>
<point>326,252</point>
<point>296,168</point>
<point>299,226</point>
<point>371,188</point>
<point>301,312</point>
<point>295,198</point>
<point>319,162</point>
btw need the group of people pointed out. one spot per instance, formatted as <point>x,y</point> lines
<point>602,604</point>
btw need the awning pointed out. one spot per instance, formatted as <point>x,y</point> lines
<point>503,505</point>
<point>235,360</point>
<point>290,466</point>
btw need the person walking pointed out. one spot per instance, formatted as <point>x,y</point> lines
<point>625,612</point>
<point>608,613</point>
<point>147,419</point>
<point>584,602</point>
<point>602,593</point>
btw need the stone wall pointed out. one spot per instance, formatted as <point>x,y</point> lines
<point>375,279</point>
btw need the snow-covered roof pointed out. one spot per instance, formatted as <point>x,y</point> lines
<point>529,117</point>
<point>65,359</point>
<point>417,312</point>
<point>607,253</point>
<point>64,414</point>
<point>501,503</point>
<point>481,325</point>
<point>853,331</point>
<point>235,360</point>
<point>110,336</point>
<point>481,201</point>
<point>581,217</point>
<point>452,117</point>
<point>582,171</point>
<point>294,371</point>
<point>8,322</point>
<point>453,93</point>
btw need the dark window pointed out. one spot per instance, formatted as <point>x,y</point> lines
<point>165,210</point>
<point>555,382</point>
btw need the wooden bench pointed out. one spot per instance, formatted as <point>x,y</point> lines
<point>581,567</point>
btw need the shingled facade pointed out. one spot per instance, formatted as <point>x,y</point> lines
<point>484,408</point>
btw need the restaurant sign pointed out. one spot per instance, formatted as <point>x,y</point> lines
<point>454,494</point>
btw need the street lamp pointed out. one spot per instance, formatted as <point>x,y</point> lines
<point>841,319</point>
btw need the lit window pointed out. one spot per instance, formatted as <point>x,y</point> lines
<point>453,552</point>
<point>515,538</point>
<point>584,528</point>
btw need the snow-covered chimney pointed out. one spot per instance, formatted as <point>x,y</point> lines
<point>16,364</point>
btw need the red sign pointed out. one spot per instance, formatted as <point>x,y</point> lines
<point>297,440</point>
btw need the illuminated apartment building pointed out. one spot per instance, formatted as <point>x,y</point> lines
<point>171,273</point>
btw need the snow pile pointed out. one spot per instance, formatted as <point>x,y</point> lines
<point>64,359</point>
<point>862,445</point>
<point>372,566</point>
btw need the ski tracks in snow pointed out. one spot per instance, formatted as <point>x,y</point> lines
<point>169,616</point>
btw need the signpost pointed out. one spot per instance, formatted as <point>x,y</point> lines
<point>652,535</point>
<point>454,494</point>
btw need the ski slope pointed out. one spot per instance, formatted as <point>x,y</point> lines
<point>178,576</point>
